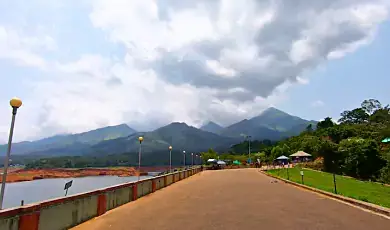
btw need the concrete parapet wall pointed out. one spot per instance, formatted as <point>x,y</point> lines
<point>118,197</point>
<point>176,177</point>
<point>66,212</point>
<point>159,183</point>
<point>11,223</point>
<point>169,179</point>
<point>144,188</point>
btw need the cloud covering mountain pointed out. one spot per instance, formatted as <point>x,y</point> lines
<point>81,65</point>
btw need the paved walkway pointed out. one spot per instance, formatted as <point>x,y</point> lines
<point>235,199</point>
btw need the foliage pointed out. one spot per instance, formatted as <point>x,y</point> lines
<point>326,123</point>
<point>210,154</point>
<point>256,146</point>
<point>353,147</point>
<point>361,158</point>
<point>355,116</point>
<point>385,171</point>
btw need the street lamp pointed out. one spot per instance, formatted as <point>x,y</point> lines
<point>184,155</point>
<point>170,158</point>
<point>15,104</point>
<point>140,139</point>
<point>334,176</point>
<point>192,159</point>
<point>249,148</point>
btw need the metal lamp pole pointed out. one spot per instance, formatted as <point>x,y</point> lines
<point>170,158</point>
<point>140,139</point>
<point>249,149</point>
<point>15,104</point>
<point>334,176</point>
<point>184,155</point>
<point>192,159</point>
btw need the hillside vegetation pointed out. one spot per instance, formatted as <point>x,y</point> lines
<point>352,147</point>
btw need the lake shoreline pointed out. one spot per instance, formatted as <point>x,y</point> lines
<point>20,175</point>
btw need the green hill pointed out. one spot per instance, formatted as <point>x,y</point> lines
<point>179,135</point>
<point>211,127</point>
<point>71,144</point>
<point>272,124</point>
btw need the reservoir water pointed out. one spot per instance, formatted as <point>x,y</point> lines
<point>39,190</point>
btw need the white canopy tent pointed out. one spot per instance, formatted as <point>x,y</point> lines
<point>300,154</point>
<point>282,158</point>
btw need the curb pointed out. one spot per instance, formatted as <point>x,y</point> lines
<point>361,204</point>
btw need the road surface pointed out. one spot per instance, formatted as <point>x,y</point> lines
<point>235,199</point>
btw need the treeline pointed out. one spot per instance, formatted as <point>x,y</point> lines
<point>259,150</point>
<point>352,146</point>
<point>159,158</point>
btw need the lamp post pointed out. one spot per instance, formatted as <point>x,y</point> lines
<point>140,139</point>
<point>184,161</point>
<point>15,104</point>
<point>192,159</point>
<point>170,158</point>
<point>334,176</point>
<point>249,148</point>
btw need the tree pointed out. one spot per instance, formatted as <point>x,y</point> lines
<point>260,156</point>
<point>385,171</point>
<point>380,116</point>
<point>356,116</point>
<point>311,145</point>
<point>309,128</point>
<point>276,152</point>
<point>210,154</point>
<point>326,123</point>
<point>361,158</point>
<point>339,132</point>
<point>328,150</point>
<point>370,106</point>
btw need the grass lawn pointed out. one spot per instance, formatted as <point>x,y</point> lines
<point>361,190</point>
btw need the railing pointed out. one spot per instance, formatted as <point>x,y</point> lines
<point>66,212</point>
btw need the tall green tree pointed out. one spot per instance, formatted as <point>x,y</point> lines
<point>309,128</point>
<point>371,105</point>
<point>276,152</point>
<point>361,158</point>
<point>355,116</point>
<point>381,116</point>
<point>332,158</point>
<point>210,154</point>
<point>326,123</point>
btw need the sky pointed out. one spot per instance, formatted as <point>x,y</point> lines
<point>83,64</point>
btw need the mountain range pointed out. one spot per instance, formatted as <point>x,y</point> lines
<point>272,124</point>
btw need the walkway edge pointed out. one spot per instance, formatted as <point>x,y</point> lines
<point>365,205</point>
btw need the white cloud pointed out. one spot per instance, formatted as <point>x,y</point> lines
<point>317,103</point>
<point>155,61</point>
<point>23,49</point>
